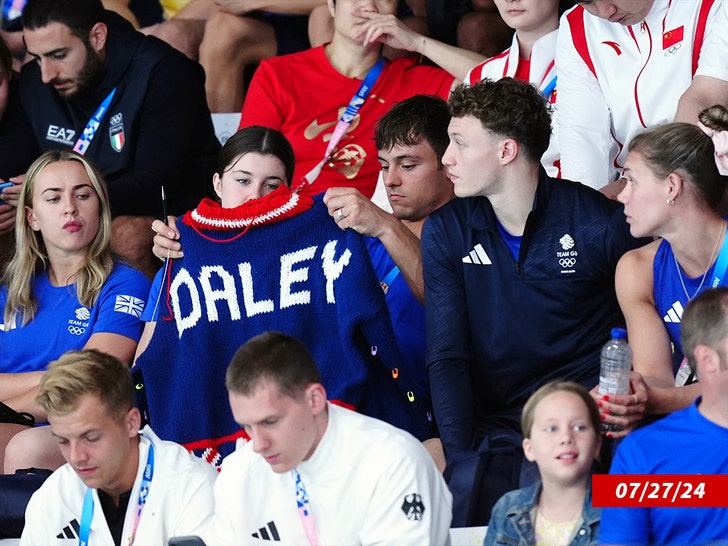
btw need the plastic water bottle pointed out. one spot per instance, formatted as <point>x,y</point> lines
<point>616,364</point>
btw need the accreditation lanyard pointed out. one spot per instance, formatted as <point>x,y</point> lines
<point>12,9</point>
<point>346,118</point>
<point>389,279</point>
<point>547,86</point>
<point>88,503</point>
<point>548,83</point>
<point>304,510</point>
<point>84,141</point>
<point>721,264</point>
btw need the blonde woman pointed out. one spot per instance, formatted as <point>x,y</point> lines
<point>62,290</point>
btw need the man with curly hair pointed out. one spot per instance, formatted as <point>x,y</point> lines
<point>519,278</point>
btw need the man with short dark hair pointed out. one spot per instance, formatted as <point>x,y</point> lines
<point>519,272</point>
<point>690,441</point>
<point>410,140</point>
<point>133,104</point>
<point>122,485</point>
<point>316,473</point>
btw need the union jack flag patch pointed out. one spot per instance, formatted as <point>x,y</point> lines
<point>129,305</point>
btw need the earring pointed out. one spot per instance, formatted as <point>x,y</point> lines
<point>35,225</point>
<point>671,202</point>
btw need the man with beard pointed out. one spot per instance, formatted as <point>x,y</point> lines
<point>131,103</point>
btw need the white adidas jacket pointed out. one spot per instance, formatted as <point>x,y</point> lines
<point>180,501</point>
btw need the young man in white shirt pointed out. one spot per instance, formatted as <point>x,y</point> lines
<point>120,485</point>
<point>314,472</point>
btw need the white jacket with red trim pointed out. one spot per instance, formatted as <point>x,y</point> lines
<point>542,75</point>
<point>615,81</point>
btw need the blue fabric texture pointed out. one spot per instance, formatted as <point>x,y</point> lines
<point>62,323</point>
<point>408,318</point>
<point>302,276</point>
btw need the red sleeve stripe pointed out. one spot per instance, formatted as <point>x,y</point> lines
<point>700,31</point>
<point>476,74</point>
<point>578,36</point>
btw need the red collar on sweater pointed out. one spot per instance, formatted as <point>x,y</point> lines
<point>277,205</point>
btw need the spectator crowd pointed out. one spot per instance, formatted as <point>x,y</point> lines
<point>429,220</point>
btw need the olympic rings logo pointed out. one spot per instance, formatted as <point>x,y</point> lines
<point>116,119</point>
<point>672,50</point>
<point>567,262</point>
<point>76,330</point>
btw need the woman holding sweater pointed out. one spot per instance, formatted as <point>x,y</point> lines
<point>267,258</point>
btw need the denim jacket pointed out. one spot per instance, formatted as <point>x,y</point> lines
<point>510,522</point>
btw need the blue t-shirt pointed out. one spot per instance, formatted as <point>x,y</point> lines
<point>513,242</point>
<point>151,309</point>
<point>62,323</point>
<point>670,297</point>
<point>684,442</point>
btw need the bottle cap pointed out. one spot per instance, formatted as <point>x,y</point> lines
<point>619,333</point>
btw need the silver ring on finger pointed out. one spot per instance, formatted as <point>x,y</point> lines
<point>339,214</point>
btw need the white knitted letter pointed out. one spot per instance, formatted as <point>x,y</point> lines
<point>290,276</point>
<point>333,269</point>
<point>226,293</point>
<point>183,323</point>
<point>252,307</point>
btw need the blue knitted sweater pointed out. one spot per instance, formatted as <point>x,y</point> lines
<point>302,276</point>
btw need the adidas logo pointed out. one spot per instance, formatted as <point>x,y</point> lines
<point>674,314</point>
<point>269,532</point>
<point>477,256</point>
<point>70,530</point>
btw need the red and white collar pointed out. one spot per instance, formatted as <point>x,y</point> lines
<point>277,205</point>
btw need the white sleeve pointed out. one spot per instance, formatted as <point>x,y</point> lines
<point>411,503</point>
<point>36,529</point>
<point>715,44</point>
<point>222,529</point>
<point>196,509</point>
<point>584,120</point>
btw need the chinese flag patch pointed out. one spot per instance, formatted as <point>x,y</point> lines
<point>672,37</point>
